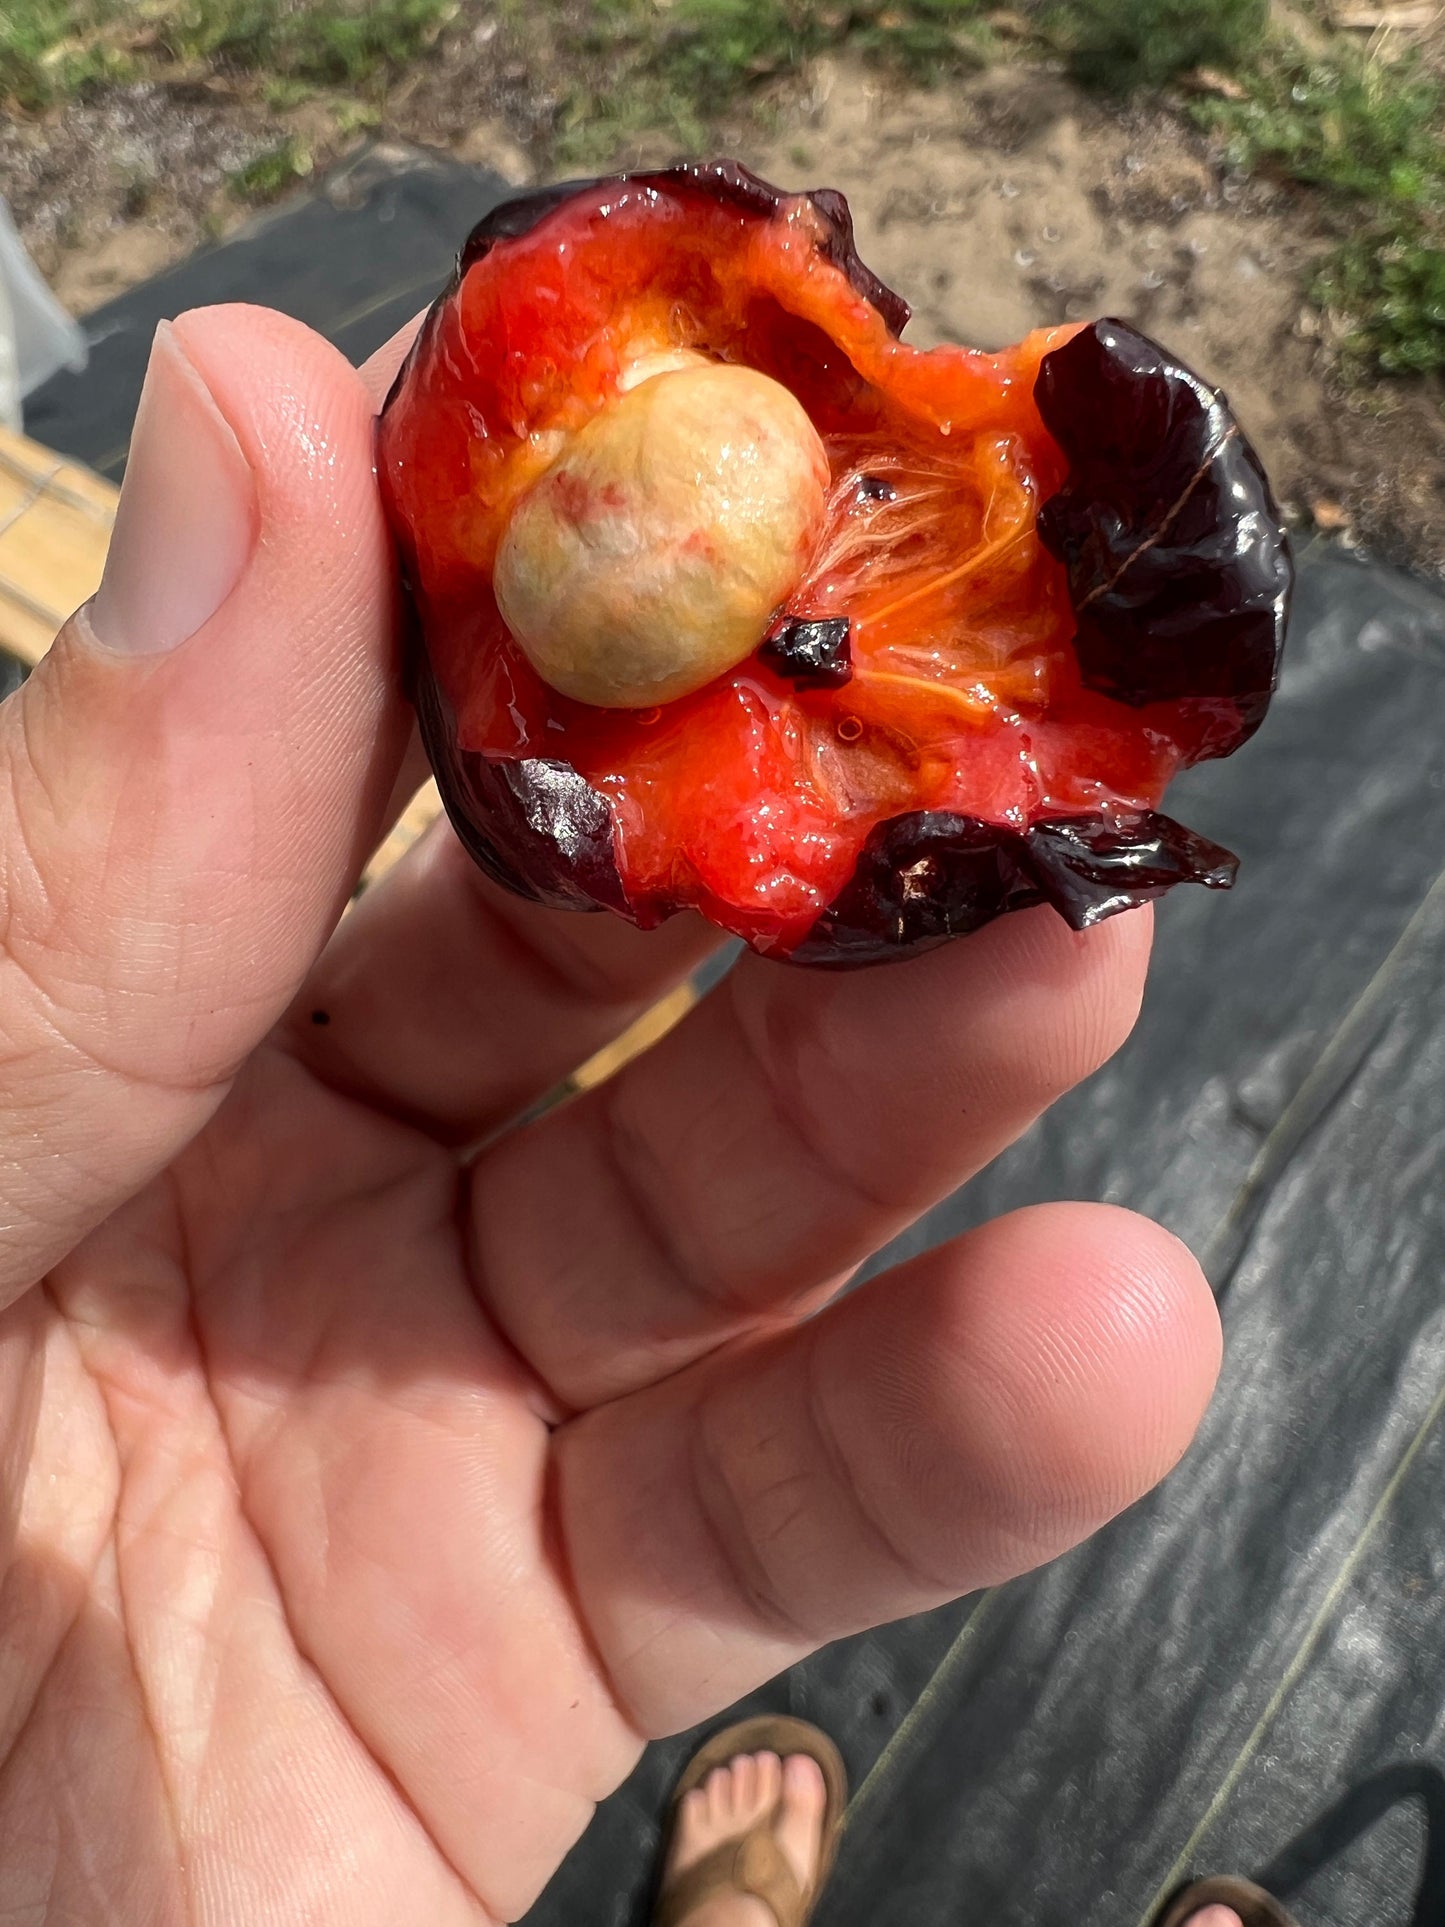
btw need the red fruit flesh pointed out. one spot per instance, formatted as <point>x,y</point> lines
<point>755,797</point>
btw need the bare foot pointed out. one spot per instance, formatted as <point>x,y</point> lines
<point>1215,1916</point>
<point>730,1802</point>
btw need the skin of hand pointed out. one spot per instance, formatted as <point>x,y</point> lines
<point>369,1498</point>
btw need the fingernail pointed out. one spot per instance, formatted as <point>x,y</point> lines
<point>186,523</point>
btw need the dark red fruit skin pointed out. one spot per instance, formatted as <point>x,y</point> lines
<point>1179,570</point>
<point>724,180</point>
<point>1180,576</point>
<point>925,878</point>
<point>533,825</point>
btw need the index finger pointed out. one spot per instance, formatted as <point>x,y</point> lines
<point>379,371</point>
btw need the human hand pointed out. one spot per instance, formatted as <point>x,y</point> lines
<point>369,1503</point>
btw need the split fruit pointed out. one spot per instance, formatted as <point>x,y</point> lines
<point>727,597</point>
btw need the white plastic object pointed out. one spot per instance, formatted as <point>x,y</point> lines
<point>37,336</point>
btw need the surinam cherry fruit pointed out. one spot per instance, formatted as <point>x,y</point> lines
<point>727,597</point>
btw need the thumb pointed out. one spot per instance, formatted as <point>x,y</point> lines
<point>195,772</point>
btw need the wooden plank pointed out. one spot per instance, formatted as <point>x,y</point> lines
<point>649,1028</point>
<point>55,524</point>
<point>23,633</point>
<point>32,462</point>
<point>418,816</point>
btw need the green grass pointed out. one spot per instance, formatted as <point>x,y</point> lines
<point>1371,137</point>
<point>679,68</point>
<point>1120,46</point>
<point>53,49</point>
<point>676,64</point>
<point>329,43</point>
<point>1387,289</point>
<point>271,173</point>
<point>1357,126</point>
<point>49,49</point>
<point>1367,134</point>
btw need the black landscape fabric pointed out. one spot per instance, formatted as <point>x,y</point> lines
<point>1255,1656</point>
<point>1255,1648</point>
<point>355,259</point>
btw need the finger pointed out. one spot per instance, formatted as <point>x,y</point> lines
<point>194,773</point>
<point>946,1427</point>
<point>785,1130</point>
<point>452,1003</point>
<point>380,370</point>
<point>448,1001</point>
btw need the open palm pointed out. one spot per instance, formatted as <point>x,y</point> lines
<point>372,1496</point>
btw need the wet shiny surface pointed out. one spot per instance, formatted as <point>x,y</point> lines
<point>925,878</point>
<point>1245,1657</point>
<point>755,797</point>
<point>1179,568</point>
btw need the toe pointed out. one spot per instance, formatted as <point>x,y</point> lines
<point>691,1832</point>
<point>800,1822</point>
<point>1214,1917</point>
<point>719,1788</point>
<point>750,1788</point>
<point>692,1818</point>
<point>804,1791</point>
<point>744,1791</point>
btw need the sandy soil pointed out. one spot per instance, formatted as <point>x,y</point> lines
<point>1013,201</point>
<point>1000,204</point>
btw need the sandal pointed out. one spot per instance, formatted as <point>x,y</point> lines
<point>754,1863</point>
<point>1353,1814</point>
<point>1255,1907</point>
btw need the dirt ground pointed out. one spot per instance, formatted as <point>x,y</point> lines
<point>1014,201</point>
<point>1004,202</point>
